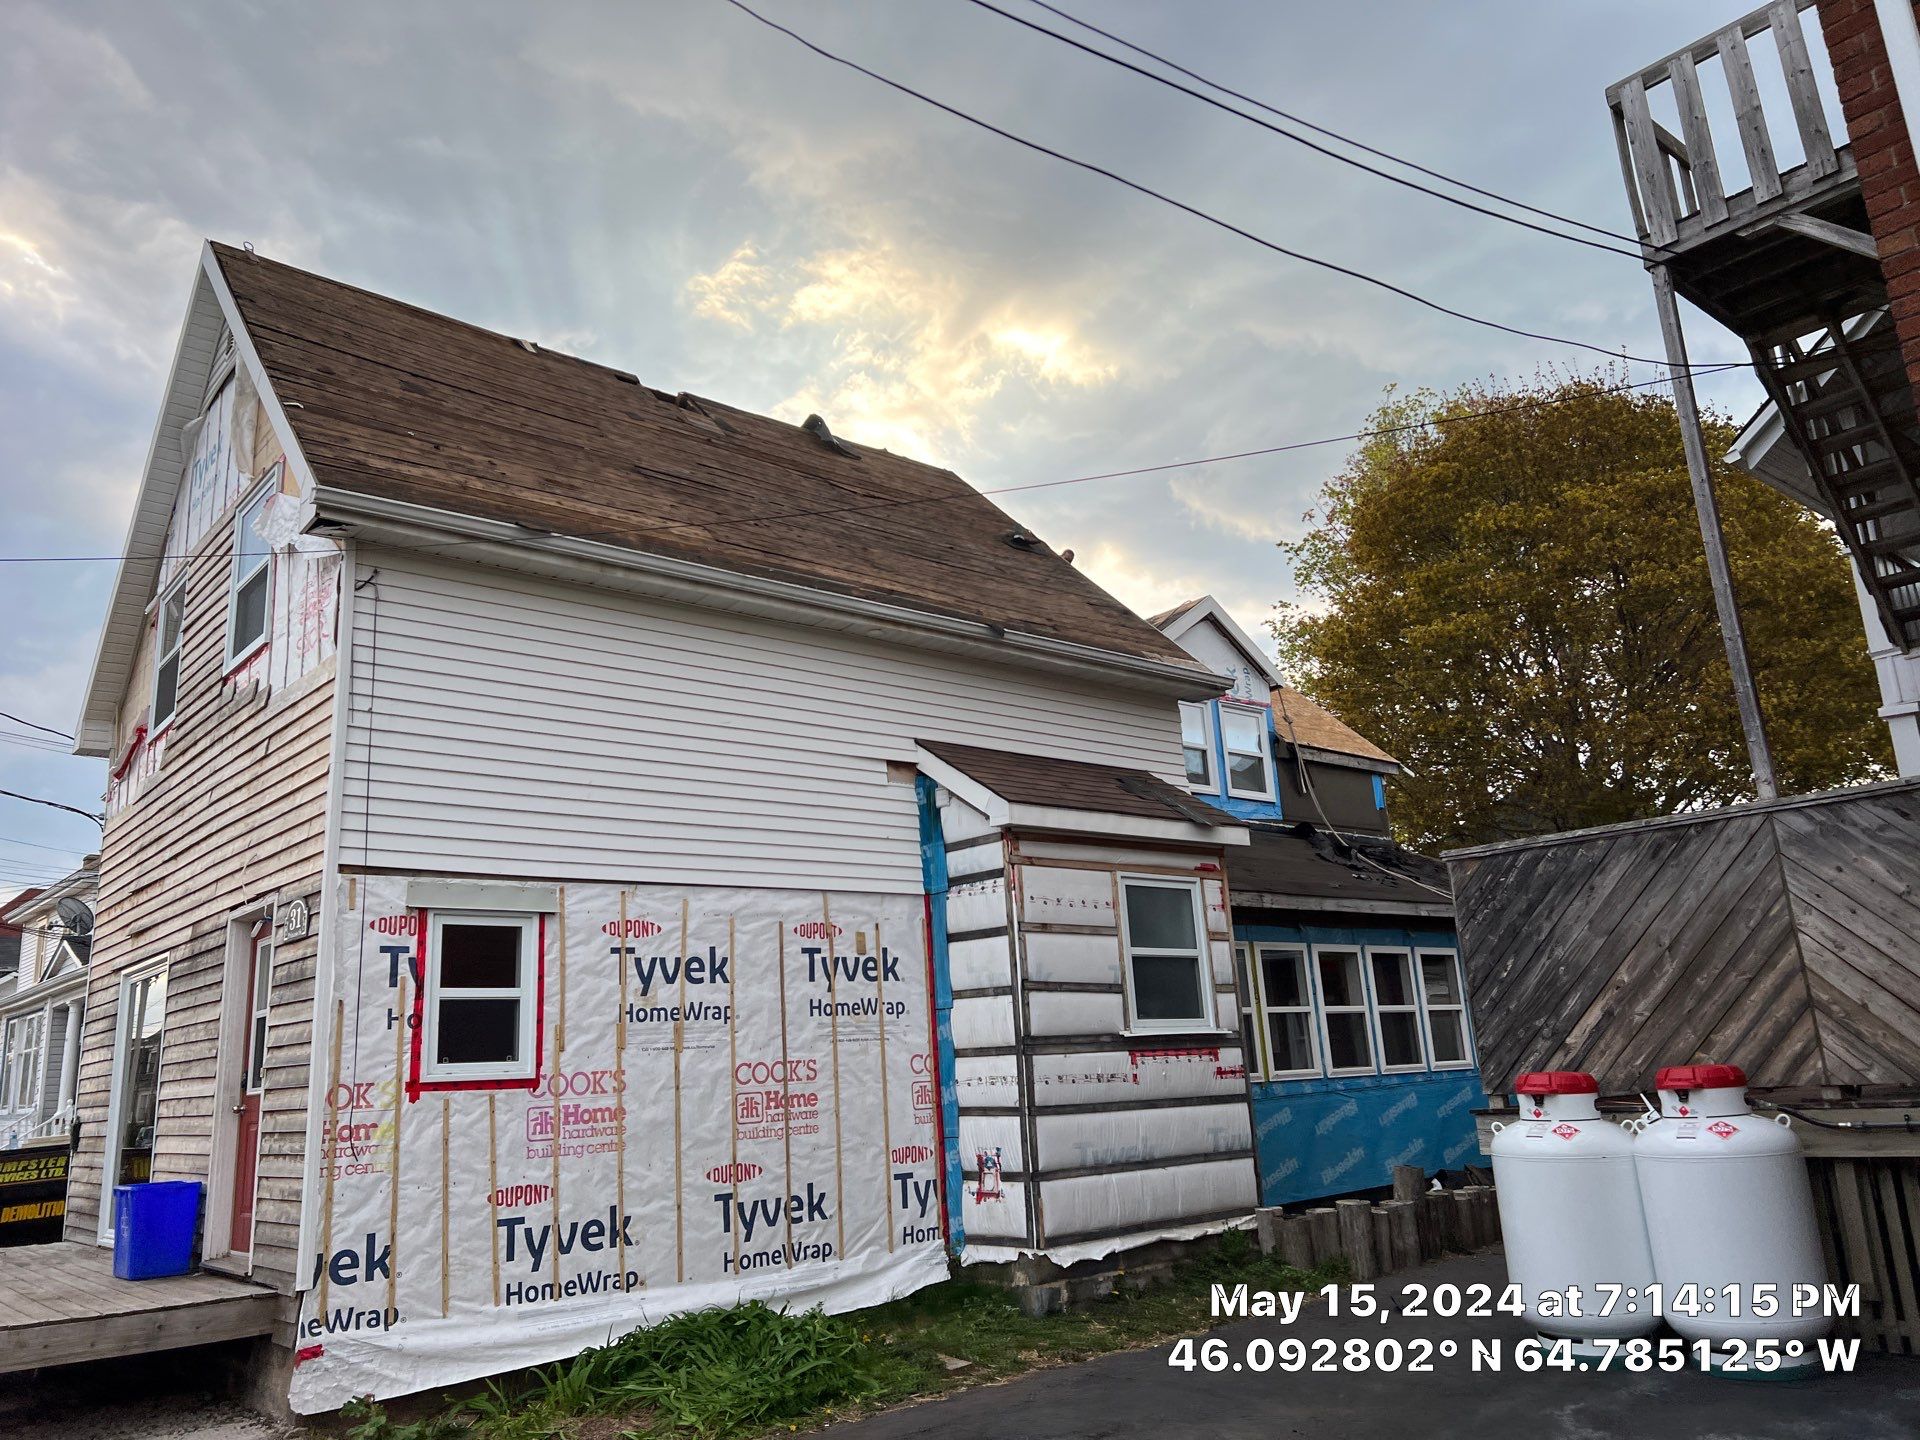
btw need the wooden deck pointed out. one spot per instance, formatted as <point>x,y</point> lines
<point>60,1303</point>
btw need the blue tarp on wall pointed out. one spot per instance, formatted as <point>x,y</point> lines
<point>1314,1138</point>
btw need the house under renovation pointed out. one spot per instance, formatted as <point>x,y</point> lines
<point>577,852</point>
<point>1355,1027</point>
<point>1783,935</point>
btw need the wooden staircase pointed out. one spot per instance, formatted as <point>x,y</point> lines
<point>1843,393</point>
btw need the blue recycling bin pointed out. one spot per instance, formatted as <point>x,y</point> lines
<point>153,1228</point>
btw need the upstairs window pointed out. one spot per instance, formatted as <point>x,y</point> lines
<point>1166,955</point>
<point>167,629</point>
<point>252,581</point>
<point>1398,1007</point>
<point>1446,1001</point>
<point>483,976</point>
<point>1249,774</point>
<point>1196,743</point>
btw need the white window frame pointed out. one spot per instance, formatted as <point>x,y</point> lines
<point>1209,1019</point>
<point>1263,722</point>
<point>1421,954</point>
<point>238,651</point>
<point>432,1071</point>
<point>161,658</point>
<point>1315,1053</point>
<point>253,1079</point>
<point>1381,1009</point>
<point>1209,746</point>
<point>1364,1009</point>
<point>116,1094</point>
<point>1253,1049</point>
<point>26,1036</point>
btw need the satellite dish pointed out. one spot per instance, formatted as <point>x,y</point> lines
<point>76,917</point>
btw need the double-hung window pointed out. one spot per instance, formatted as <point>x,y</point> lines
<point>168,625</point>
<point>482,1000</point>
<point>25,1060</point>
<point>1343,1012</point>
<point>1249,771</point>
<point>1287,996</point>
<point>1166,946</point>
<point>252,581</point>
<point>1446,1003</point>
<point>1396,1005</point>
<point>1196,744</point>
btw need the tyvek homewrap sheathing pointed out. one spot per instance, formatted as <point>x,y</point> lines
<point>734,1102</point>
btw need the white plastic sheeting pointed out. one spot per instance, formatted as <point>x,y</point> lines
<point>735,1100</point>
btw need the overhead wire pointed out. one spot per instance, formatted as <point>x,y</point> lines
<point>1351,272</point>
<point>1333,134</point>
<point>1635,254</point>
<point>34,725</point>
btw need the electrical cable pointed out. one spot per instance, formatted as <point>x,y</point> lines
<point>1091,168</point>
<point>61,734</point>
<point>1336,135</point>
<point>1635,254</point>
<point>54,805</point>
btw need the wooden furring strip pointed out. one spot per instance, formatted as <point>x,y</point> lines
<point>886,1103</point>
<point>559,1044</point>
<point>493,1190</point>
<point>620,1079</point>
<point>446,1187</point>
<point>733,1078</point>
<point>786,1090</point>
<point>833,1013</point>
<point>399,1109</point>
<point>679,1167</point>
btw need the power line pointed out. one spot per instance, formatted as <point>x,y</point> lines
<point>1281,130</point>
<point>36,845</point>
<point>55,805</point>
<point>1335,134</point>
<point>4,715</point>
<point>1287,447</point>
<point>34,742</point>
<point>1091,168</point>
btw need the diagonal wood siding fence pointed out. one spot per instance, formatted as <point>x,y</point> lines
<point>1781,937</point>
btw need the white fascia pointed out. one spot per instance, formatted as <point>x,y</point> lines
<point>518,547</point>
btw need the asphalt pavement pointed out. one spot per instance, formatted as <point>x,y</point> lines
<point>1138,1394</point>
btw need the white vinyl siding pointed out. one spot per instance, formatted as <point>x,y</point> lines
<point>523,727</point>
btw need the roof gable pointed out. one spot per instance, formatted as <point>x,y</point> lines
<point>397,403</point>
<point>1205,630</point>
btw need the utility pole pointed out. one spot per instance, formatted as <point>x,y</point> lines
<point>1745,697</point>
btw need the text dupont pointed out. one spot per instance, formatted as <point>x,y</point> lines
<point>670,970</point>
<point>800,1207</point>
<point>524,1237</point>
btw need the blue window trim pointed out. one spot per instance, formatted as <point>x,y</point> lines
<point>1379,792</point>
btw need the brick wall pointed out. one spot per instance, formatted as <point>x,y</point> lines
<point>1883,151</point>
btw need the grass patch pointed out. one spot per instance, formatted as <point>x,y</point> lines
<point>752,1371</point>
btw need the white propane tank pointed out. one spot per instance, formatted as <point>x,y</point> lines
<point>1729,1208</point>
<point>1570,1206</point>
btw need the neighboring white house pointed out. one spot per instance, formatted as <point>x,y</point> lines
<point>40,1010</point>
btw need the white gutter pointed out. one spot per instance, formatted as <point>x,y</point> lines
<point>592,562</point>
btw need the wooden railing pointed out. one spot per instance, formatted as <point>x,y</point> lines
<point>1676,182</point>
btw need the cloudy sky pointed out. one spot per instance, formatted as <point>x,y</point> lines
<point>667,186</point>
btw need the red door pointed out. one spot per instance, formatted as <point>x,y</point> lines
<point>246,1132</point>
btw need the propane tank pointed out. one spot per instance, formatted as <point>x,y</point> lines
<point>1729,1212</point>
<point>1570,1207</point>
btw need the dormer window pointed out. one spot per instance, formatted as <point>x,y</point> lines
<point>1249,768</point>
<point>252,577</point>
<point>1196,743</point>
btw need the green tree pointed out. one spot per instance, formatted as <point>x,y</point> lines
<point>1517,606</point>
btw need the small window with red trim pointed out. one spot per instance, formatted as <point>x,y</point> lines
<point>482,1001</point>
